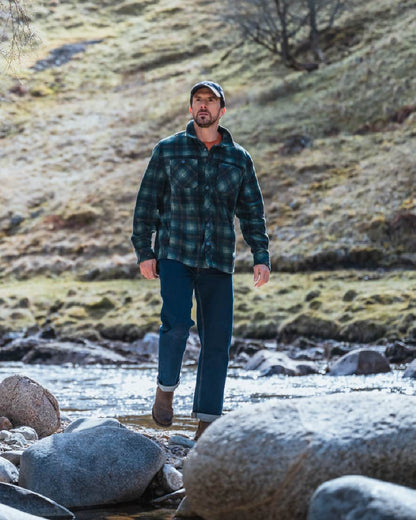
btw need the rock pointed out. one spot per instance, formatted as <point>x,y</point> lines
<point>8,471</point>
<point>363,331</point>
<point>360,361</point>
<point>410,370</point>
<point>91,467</point>
<point>350,295</point>
<point>29,434</point>
<point>400,353</point>
<point>265,461</point>
<point>347,498</point>
<point>308,325</point>
<point>17,349</point>
<point>270,363</point>
<point>32,503</point>
<point>26,403</point>
<point>10,513</point>
<point>180,440</point>
<point>5,424</point>
<point>60,352</point>
<point>86,423</point>
<point>171,478</point>
<point>12,456</point>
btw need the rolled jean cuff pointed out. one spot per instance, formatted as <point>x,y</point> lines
<point>168,388</point>
<point>205,416</point>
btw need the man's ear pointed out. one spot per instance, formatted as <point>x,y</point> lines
<point>190,109</point>
<point>222,112</point>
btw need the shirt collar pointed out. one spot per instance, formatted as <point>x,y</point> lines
<point>227,139</point>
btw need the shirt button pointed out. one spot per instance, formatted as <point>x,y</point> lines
<point>206,188</point>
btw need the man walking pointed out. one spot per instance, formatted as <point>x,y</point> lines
<point>196,182</point>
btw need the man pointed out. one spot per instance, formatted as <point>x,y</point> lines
<point>195,184</point>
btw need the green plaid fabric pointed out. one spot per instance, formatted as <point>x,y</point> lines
<point>189,197</point>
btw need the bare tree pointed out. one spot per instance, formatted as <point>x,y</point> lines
<point>15,30</point>
<point>282,25</point>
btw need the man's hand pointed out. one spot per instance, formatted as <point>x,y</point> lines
<point>261,275</point>
<point>148,269</point>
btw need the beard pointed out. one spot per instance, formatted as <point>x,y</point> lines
<point>206,120</point>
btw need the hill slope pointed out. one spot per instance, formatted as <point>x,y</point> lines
<point>75,138</point>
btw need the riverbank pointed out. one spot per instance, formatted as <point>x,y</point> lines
<point>348,305</point>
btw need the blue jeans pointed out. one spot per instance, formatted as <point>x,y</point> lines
<point>214,299</point>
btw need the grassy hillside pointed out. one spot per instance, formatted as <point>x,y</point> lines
<point>75,138</point>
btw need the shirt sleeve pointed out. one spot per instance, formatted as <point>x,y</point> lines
<point>250,212</point>
<point>146,211</point>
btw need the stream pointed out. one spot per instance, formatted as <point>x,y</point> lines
<point>126,393</point>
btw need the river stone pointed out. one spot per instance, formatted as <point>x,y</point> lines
<point>411,370</point>
<point>5,424</point>
<point>26,403</point>
<point>271,363</point>
<point>347,498</point>
<point>8,471</point>
<point>12,456</point>
<point>86,423</point>
<point>266,460</point>
<point>9,513</point>
<point>360,361</point>
<point>91,467</point>
<point>32,503</point>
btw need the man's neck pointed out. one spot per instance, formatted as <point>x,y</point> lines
<point>206,135</point>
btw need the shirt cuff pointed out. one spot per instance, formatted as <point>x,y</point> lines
<point>262,257</point>
<point>144,254</point>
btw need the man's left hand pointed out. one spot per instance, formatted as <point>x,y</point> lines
<point>261,275</point>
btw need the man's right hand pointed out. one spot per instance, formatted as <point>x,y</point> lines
<point>148,269</point>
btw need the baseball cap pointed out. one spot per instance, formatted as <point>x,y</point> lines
<point>214,87</point>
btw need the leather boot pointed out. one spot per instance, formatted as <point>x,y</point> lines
<point>202,426</point>
<point>162,411</point>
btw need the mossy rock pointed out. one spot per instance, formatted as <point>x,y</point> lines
<point>363,331</point>
<point>308,325</point>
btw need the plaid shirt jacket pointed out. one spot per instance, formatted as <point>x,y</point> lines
<point>189,196</point>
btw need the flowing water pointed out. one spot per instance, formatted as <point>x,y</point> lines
<point>127,392</point>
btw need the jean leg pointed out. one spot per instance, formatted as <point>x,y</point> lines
<point>214,296</point>
<point>176,288</point>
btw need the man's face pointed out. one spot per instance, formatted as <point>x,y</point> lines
<point>206,108</point>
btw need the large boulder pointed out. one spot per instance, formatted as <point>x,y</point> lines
<point>92,466</point>
<point>32,503</point>
<point>265,461</point>
<point>347,498</point>
<point>26,403</point>
<point>10,513</point>
<point>360,361</point>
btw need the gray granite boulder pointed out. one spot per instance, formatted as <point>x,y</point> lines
<point>265,461</point>
<point>355,497</point>
<point>26,403</point>
<point>8,471</point>
<point>360,361</point>
<point>9,513</point>
<point>91,467</point>
<point>32,503</point>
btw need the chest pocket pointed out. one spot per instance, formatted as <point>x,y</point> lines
<point>229,179</point>
<point>184,174</point>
